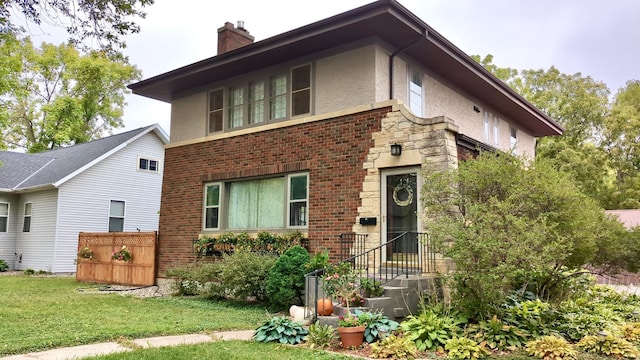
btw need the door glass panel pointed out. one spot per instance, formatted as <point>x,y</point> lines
<point>402,211</point>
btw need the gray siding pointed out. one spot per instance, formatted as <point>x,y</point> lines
<point>37,246</point>
<point>8,239</point>
<point>84,200</point>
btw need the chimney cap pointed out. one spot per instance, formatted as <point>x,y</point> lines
<point>241,25</point>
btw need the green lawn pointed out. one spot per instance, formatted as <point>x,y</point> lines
<point>39,313</point>
<point>230,350</point>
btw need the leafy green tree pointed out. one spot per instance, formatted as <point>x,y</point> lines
<point>506,224</point>
<point>103,21</point>
<point>60,97</point>
<point>622,143</point>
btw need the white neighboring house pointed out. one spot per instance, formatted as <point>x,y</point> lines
<point>46,199</point>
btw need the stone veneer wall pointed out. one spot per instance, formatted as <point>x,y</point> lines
<point>424,141</point>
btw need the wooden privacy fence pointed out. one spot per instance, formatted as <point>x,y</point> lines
<point>141,270</point>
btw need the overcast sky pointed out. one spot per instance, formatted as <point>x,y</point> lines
<point>594,37</point>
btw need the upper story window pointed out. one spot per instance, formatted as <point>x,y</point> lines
<point>275,98</point>
<point>415,92</point>
<point>216,110</point>
<point>513,140</point>
<point>496,131</point>
<point>487,126</point>
<point>26,221</point>
<point>269,203</point>
<point>149,165</point>
<point>4,217</point>
<point>116,216</point>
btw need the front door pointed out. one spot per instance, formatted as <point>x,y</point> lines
<point>400,190</point>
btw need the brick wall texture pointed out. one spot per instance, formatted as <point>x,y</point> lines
<point>332,151</point>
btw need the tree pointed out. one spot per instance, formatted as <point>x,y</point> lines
<point>105,21</point>
<point>622,143</point>
<point>507,225</point>
<point>60,97</point>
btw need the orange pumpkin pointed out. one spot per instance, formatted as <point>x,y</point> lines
<point>325,307</point>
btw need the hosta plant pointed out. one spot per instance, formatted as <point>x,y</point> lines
<point>551,348</point>
<point>320,336</point>
<point>630,332</point>
<point>375,324</point>
<point>497,335</point>
<point>430,330</point>
<point>463,348</point>
<point>609,345</point>
<point>282,330</point>
<point>395,347</point>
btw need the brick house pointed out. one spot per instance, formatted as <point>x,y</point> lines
<point>324,129</point>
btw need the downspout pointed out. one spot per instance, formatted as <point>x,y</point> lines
<point>425,33</point>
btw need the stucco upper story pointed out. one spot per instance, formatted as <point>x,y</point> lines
<point>342,64</point>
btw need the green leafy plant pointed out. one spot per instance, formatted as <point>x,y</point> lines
<point>497,335</point>
<point>285,283</point>
<point>430,330</point>
<point>29,271</point>
<point>241,276</point>
<point>3,266</point>
<point>190,279</point>
<point>122,254</point>
<point>320,336</point>
<point>281,329</point>
<point>85,253</point>
<point>533,316</point>
<point>319,261</point>
<point>630,332</point>
<point>609,345</point>
<point>550,347</point>
<point>371,287</point>
<point>350,321</point>
<point>375,324</point>
<point>394,346</point>
<point>463,348</point>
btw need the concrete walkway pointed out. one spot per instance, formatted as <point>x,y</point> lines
<point>78,352</point>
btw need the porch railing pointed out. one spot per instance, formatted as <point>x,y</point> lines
<point>405,254</point>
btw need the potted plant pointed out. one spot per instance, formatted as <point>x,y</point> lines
<point>122,255</point>
<point>351,330</point>
<point>371,287</point>
<point>85,253</point>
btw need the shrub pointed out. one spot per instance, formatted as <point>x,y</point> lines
<point>609,345</point>
<point>533,316</point>
<point>3,266</point>
<point>191,278</point>
<point>29,271</point>
<point>242,275</point>
<point>320,336</point>
<point>282,330</point>
<point>551,348</point>
<point>430,330</point>
<point>630,332</point>
<point>394,346</point>
<point>463,348</point>
<point>285,284</point>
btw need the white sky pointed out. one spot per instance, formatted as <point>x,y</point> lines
<point>594,37</point>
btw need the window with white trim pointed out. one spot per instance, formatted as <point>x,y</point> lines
<point>301,90</point>
<point>513,141</point>
<point>4,216</point>
<point>256,102</point>
<point>216,110</point>
<point>278,99</point>
<point>26,221</point>
<point>487,126</point>
<point>116,216</point>
<point>236,107</point>
<point>266,203</point>
<point>496,130</point>
<point>415,92</point>
<point>150,165</point>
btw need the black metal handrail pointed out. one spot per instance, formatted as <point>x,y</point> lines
<point>405,254</point>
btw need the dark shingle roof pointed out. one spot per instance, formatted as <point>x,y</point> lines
<point>20,171</point>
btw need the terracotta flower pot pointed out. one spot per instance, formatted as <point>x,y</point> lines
<point>351,336</point>
<point>325,307</point>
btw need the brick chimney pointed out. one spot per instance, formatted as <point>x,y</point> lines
<point>231,38</point>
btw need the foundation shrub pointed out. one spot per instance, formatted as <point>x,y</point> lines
<point>285,282</point>
<point>242,276</point>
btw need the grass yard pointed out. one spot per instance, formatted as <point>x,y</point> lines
<point>230,350</point>
<point>39,313</point>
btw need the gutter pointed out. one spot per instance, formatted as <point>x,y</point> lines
<point>425,34</point>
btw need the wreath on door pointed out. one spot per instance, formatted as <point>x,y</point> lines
<point>403,194</point>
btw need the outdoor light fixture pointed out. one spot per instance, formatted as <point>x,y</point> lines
<point>396,149</point>
<point>602,336</point>
<point>636,315</point>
